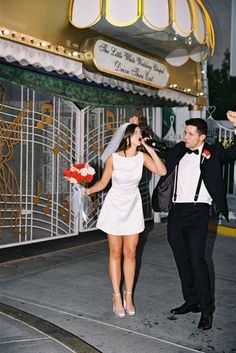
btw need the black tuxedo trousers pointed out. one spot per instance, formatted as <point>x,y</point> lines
<point>187,234</point>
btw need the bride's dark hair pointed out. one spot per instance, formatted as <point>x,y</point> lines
<point>126,140</point>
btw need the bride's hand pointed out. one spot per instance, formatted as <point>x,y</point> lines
<point>86,191</point>
<point>143,142</point>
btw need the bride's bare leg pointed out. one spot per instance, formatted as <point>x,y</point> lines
<point>115,248</point>
<point>130,243</point>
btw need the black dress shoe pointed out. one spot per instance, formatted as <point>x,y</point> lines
<point>205,322</point>
<point>186,308</point>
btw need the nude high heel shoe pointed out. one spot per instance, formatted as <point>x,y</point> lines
<point>120,313</point>
<point>129,310</point>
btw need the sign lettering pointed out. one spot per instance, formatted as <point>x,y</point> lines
<point>124,63</point>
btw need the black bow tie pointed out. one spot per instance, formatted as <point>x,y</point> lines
<point>192,151</point>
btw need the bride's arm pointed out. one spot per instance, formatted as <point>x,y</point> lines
<point>106,176</point>
<point>154,163</point>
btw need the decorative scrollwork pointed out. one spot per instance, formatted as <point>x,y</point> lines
<point>2,97</point>
<point>10,135</point>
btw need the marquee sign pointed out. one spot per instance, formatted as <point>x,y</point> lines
<point>118,61</point>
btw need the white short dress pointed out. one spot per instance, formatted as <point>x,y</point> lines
<point>122,211</point>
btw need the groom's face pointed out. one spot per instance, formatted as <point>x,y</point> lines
<point>192,138</point>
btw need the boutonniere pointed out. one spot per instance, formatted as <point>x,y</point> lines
<point>206,154</point>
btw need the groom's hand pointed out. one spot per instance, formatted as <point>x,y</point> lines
<point>231,115</point>
<point>134,120</point>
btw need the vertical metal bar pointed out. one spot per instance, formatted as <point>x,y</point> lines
<point>87,135</point>
<point>26,167</point>
<point>102,127</point>
<point>118,111</point>
<point>55,229</point>
<point>228,178</point>
<point>234,180</point>
<point>147,116</point>
<point>220,134</point>
<point>79,150</point>
<point>32,166</point>
<point>54,129</point>
<point>225,134</point>
<point>72,152</point>
<point>21,166</point>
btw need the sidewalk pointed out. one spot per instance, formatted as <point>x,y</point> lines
<point>70,289</point>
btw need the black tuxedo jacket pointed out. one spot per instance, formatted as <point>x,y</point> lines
<point>211,170</point>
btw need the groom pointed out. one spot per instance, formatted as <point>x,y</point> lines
<point>193,182</point>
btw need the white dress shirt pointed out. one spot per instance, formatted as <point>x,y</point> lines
<point>188,176</point>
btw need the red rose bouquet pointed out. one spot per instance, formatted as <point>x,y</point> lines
<point>79,175</point>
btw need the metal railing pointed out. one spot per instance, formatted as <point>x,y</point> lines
<point>218,132</point>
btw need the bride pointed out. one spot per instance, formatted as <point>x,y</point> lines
<point>121,215</point>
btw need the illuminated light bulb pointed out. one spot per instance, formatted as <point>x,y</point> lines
<point>67,52</point>
<point>5,32</point>
<point>188,41</point>
<point>59,48</point>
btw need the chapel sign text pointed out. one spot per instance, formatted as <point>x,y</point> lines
<point>118,61</point>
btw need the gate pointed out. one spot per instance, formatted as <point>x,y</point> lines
<point>40,136</point>
<point>97,125</point>
<point>37,141</point>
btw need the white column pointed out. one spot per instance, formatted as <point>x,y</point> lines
<point>157,121</point>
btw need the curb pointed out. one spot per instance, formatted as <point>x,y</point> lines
<point>222,230</point>
<point>65,338</point>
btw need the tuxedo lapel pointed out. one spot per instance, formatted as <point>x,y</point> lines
<point>162,194</point>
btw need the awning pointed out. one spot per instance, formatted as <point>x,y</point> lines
<point>25,56</point>
<point>177,29</point>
